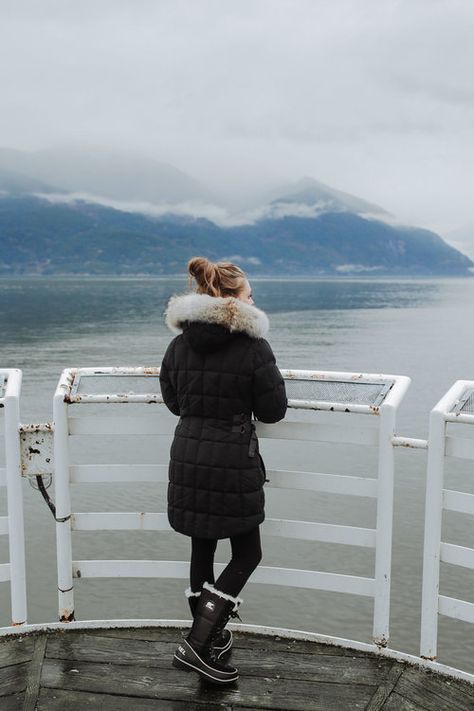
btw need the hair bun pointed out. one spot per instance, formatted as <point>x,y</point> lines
<point>206,275</point>
<point>216,278</point>
<point>197,266</point>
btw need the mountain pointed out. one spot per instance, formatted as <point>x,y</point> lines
<point>98,173</point>
<point>92,211</point>
<point>38,236</point>
<point>311,192</point>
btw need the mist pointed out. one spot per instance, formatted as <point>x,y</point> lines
<point>370,98</point>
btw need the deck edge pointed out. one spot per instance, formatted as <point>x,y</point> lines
<point>443,669</point>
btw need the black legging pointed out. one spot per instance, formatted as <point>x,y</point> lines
<point>246,555</point>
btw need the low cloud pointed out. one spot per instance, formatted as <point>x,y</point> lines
<point>239,259</point>
<point>219,215</point>
<point>278,210</point>
<point>383,217</point>
<point>194,209</point>
<point>357,268</point>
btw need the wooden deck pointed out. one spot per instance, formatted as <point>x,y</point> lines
<point>130,669</point>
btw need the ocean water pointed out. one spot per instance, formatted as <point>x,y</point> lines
<point>419,328</point>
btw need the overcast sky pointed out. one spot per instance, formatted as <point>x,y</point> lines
<point>373,97</point>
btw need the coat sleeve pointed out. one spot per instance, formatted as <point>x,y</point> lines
<point>168,382</point>
<point>269,395</point>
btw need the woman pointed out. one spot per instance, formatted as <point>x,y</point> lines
<point>214,375</point>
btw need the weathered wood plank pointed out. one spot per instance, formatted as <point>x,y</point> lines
<point>34,674</point>
<point>298,646</point>
<point>251,662</point>
<point>241,640</point>
<point>397,703</point>
<point>131,668</point>
<point>13,679</point>
<point>253,692</point>
<point>308,667</point>
<point>87,648</point>
<point>431,691</point>
<point>12,703</point>
<point>15,651</point>
<point>151,634</point>
<point>386,687</point>
<point>59,700</point>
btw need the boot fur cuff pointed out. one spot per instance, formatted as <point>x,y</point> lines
<point>236,600</point>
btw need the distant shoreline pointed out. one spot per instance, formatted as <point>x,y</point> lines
<point>252,277</point>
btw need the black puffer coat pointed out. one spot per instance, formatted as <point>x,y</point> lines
<point>214,375</point>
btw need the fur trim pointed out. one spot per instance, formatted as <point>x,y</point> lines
<point>189,593</point>
<point>233,314</point>
<point>236,600</point>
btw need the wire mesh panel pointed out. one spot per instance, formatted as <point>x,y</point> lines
<point>338,391</point>
<point>116,384</point>
<point>307,389</point>
<point>465,405</point>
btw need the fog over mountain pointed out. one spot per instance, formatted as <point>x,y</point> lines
<point>134,184</point>
<point>309,191</point>
<point>103,173</point>
<point>103,213</point>
<point>373,98</point>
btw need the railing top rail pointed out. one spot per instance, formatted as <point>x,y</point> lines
<point>291,374</point>
<point>457,404</point>
<point>364,393</point>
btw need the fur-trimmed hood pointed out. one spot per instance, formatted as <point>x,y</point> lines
<point>233,314</point>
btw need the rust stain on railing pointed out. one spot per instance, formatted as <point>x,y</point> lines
<point>36,448</point>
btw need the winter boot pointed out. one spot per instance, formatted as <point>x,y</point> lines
<point>222,640</point>
<point>196,652</point>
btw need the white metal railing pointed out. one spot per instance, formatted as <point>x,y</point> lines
<point>10,477</point>
<point>330,422</point>
<point>452,410</point>
<point>313,417</point>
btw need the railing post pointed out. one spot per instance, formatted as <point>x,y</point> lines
<point>432,541</point>
<point>16,536</point>
<point>384,525</point>
<point>63,507</point>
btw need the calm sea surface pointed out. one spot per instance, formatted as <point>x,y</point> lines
<point>423,329</point>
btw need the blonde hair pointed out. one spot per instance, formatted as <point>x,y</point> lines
<point>216,278</point>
